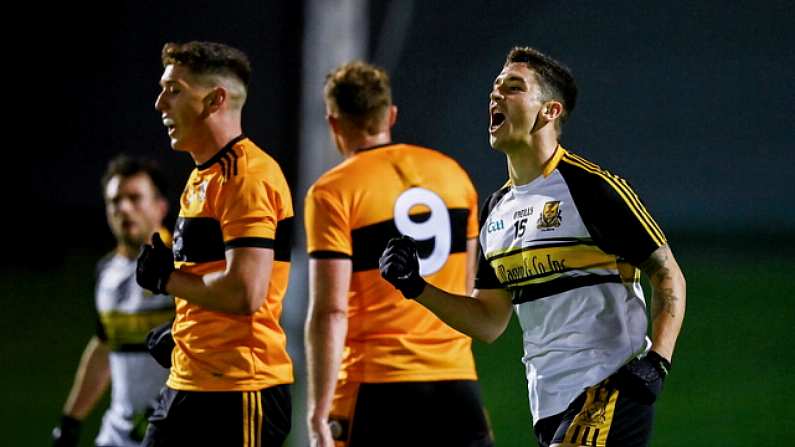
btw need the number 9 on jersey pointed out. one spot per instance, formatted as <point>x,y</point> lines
<point>436,227</point>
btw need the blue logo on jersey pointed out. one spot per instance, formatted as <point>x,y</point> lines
<point>495,226</point>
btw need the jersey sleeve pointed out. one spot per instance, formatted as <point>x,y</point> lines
<point>614,215</point>
<point>99,328</point>
<point>473,225</point>
<point>485,278</point>
<point>328,231</point>
<point>249,210</point>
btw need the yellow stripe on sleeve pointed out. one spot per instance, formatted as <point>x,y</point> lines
<point>635,206</point>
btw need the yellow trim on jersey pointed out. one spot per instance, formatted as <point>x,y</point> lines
<point>132,328</point>
<point>553,162</point>
<point>621,183</point>
<point>543,264</point>
<point>626,193</point>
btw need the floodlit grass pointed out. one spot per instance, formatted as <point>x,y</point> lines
<point>730,384</point>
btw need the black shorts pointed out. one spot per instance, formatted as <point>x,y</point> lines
<point>605,415</point>
<point>224,418</point>
<point>443,413</point>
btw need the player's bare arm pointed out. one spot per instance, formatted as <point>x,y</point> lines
<point>239,289</point>
<point>483,316</point>
<point>667,301</point>
<point>91,380</point>
<point>326,328</point>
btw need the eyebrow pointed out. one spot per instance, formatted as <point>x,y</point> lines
<point>510,78</point>
<point>513,78</point>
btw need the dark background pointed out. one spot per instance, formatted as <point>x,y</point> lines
<point>690,101</point>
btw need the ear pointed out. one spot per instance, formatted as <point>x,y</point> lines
<point>551,110</point>
<point>215,99</point>
<point>392,118</point>
<point>333,123</point>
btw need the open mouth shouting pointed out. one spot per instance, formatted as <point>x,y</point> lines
<point>496,121</point>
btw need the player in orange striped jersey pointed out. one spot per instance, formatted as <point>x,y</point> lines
<point>382,370</point>
<point>229,379</point>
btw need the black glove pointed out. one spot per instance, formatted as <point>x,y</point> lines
<point>644,377</point>
<point>160,344</point>
<point>400,266</point>
<point>155,264</point>
<point>67,433</point>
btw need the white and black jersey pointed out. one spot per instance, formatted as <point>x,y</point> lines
<point>566,245</point>
<point>126,313</point>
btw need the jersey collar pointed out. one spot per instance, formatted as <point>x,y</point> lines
<point>218,155</point>
<point>370,148</point>
<point>552,164</point>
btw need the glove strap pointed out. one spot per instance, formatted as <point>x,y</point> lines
<point>413,288</point>
<point>69,428</point>
<point>662,365</point>
<point>162,280</point>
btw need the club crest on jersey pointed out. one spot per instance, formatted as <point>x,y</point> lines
<point>198,194</point>
<point>550,218</point>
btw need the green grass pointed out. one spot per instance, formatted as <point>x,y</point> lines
<point>731,383</point>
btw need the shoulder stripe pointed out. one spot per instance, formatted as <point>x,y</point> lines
<point>622,183</point>
<point>585,161</point>
<point>629,197</point>
<point>634,195</point>
<point>224,168</point>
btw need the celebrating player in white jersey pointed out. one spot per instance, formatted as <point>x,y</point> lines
<point>563,244</point>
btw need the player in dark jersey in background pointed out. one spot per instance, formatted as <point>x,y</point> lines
<point>229,379</point>
<point>563,243</point>
<point>135,206</point>
<point>383,370</point>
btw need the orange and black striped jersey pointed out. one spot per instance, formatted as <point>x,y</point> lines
<point>238,198</point>
<point>351,212</point>
<point>566,246</point>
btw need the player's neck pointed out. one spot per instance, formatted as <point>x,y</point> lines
<point>356,142</point>
<point>528,162</point>
<point>217,136</point>
<point>128,251</point>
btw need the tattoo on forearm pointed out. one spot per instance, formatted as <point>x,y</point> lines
<point>664,300</point>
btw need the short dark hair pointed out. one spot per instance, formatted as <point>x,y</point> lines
<point>126,166</point>
<point>555,79</point>
<point>203,58</point>
<point>360,91</point>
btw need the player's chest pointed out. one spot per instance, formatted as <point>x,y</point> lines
<point>527,217</point>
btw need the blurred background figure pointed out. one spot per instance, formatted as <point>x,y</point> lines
<point>135,205</point>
